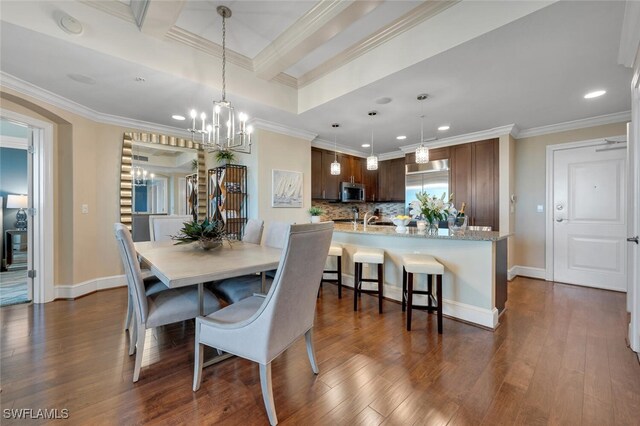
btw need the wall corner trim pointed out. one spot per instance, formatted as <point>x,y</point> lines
<point>526,271</point>
<point>72,291</point>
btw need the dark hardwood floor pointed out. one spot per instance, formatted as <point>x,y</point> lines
<point>559,357</point>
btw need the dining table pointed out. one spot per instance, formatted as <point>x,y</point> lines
<point>181,265</point>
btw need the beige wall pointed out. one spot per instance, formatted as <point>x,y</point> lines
<point>277,151</point>
<point>506,163</point>
<point>530,188</point>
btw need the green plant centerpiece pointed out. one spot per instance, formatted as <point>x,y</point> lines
<point>207,234</point>
<point>315,213</point>
<point>225,156</point>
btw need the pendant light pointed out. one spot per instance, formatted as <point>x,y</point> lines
<point>422,152</point>
<point>372,160</point>
<point>335,166</point>
<point>223,132</point>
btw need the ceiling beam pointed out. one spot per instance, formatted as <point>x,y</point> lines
<point>315,28</point>
<point>156,18</point>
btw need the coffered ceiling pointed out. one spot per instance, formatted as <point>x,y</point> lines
<point>306,64</point>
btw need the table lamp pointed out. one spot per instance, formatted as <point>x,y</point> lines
<point>20,202</point>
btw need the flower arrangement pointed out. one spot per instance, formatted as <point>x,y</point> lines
<point>208,234</point>
<point>430,207</point>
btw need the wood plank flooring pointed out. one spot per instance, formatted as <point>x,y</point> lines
<point>559,357</point>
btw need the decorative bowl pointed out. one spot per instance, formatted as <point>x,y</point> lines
<point>209,244</point>
<point>401,224</point>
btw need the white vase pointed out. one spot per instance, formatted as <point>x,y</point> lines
<point>315,219</point>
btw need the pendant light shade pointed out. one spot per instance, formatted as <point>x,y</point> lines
<point>335,166</point>
<point>372,160</point>
<point>422,152</point>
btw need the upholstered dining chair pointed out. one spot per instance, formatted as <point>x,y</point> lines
<point>259,328</point>
<point>161,308</point>
<point>162,227</point>
<point>253,231</point>
<point>233,290</point>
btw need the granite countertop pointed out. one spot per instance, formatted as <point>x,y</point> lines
<point>443,234</point>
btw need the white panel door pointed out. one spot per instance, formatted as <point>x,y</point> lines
<point>589,209</point>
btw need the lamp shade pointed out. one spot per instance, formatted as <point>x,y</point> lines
<point>17,201</point>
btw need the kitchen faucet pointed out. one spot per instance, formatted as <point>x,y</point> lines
<point>367,218</point>
<point>355,211</point>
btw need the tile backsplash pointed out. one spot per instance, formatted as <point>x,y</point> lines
<point>343,210</point>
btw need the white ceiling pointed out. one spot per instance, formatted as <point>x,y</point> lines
<point>531,72</point>
<point>252,26</point>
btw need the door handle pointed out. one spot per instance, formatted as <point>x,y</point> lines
<point>559,219</point>
<point>633,239</point>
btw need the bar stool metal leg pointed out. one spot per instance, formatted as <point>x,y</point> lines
<point>404,289</point>
<point>430,291</point>
<point>356,282</point>
<point>439,290</point>
<point>339,259</point>
<point>380,281</point>
<point>409,299</point>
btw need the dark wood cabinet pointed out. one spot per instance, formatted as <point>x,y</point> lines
<point>474,181</point>
<point>316,174</point>
<point>391,176</point>
<point>331,183</point>
<point>324,185</point>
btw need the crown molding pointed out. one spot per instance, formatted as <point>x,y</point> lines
<point>341,149</point>
<point>415,16</point>
<point>600,120</point>
<point>391,155</point>
<point>630,35</point>
<point>466,138</point>
<point>113,8</point>
<point>28,89</point>
<point>259,123</point>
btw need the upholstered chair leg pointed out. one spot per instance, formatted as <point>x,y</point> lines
<point>355,287</point>
<point>197,360</point>
<point>308,337</point>
<point>267,393</point>
<point>139,351</point>
<point>380,287</point>
<point>439,290</point>
<point>409,299</point>
<point>132,335</point>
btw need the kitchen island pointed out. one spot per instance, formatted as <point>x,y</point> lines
<point>474,285</point>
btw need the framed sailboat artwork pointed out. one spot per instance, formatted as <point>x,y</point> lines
<point>286,188</point>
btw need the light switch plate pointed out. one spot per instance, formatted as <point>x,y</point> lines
<point>540,208</point>
<point>85,208</point>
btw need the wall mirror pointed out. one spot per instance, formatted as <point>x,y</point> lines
<point>160,175</point>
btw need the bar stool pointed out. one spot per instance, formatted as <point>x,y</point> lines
<point>421,264</point>
<point>335,250</point>
<point>371,256</point>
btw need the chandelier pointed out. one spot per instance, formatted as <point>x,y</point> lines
<point>140,176</point>
<point>221,133</point>
<point>372,160</point>
<point>335,166</point>
<point>422,152</point>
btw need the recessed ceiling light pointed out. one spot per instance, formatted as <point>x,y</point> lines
<point>595,94</point>
<point>443,128</point>
<point>366,145</point>
<point>68,23</point>
<point>178,117</point>
<point>382,101</point>
<point>401,137</point>
<point>141,79</point>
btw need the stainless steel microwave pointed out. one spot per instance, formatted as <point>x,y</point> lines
<point>351,192</point>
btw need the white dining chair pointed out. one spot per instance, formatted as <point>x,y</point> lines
<point>259,328</point>
<point>164,307</point>
<point>233,290</point>
<point>162,227</point>
<point>253,231</point>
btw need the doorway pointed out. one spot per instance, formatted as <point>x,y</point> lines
<point>39,210</point>
<point>587,214</point>
<point>16,286</point>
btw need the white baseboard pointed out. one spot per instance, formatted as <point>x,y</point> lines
<point>465,312</point>
<point>526,271</point>
<point>76,290</point>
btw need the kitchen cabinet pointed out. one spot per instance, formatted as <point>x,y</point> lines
<point>434,154</point>
<point>370,181</point>
<point>324,185</point>
<point>391,176</point>
<point>316,174</point>
<point>474,181</point>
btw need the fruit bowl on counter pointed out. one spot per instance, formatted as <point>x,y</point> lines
<point>401,223</point>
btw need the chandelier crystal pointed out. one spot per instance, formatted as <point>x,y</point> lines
<point>221,133</point>
<point>422,152</point>
<point>335,166</point>
<point>372,160</point>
